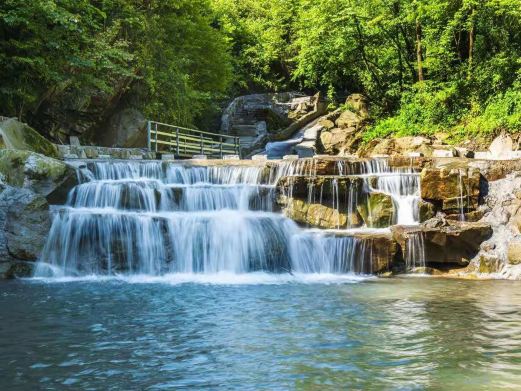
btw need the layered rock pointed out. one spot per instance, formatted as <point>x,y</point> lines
<point>451,190</point>
<point>321,201</point>
<point>445,244</point>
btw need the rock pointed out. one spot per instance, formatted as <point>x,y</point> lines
<point>305,149</point>
<point>17,135</point>
<point>19,270</point>
<point>443,153</point>
<point>348,119</point>
<point>514,252</point>
<point>315,215</point>
<point>378,211</point>
<point>75,141</point>
<point>24,224</point>
<point>43,175</point>
<point>452,243</point>
<point>358,103</point>
<point>501,147</point>
<point>427,210</point>
<point>451,189</point>
<point>488,265</point>
<point>126,129</point>
<point>400,146</point>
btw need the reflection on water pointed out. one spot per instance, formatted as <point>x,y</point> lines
<point>386,334</point>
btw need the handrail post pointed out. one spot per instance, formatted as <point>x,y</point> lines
<point>149,141</point>
<point>221,146</point>
<point>201,138</point>
<point>237,146</point>
<point>156,135</point>
<point>177,141</point>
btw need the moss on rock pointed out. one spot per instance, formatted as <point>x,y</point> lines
<point>17,135</point>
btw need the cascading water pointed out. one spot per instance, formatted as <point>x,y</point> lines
<point>157,218</point>
<point>402,184</point>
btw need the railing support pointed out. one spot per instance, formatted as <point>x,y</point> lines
<point>201,138</point>
<point>177,141</point>
<point>149,140</point>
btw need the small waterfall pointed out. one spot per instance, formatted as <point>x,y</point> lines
<point>415,251</point>
<point>402,184</point>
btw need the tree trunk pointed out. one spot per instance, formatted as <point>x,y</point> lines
<point>419,56</point>
<point>471,44</point>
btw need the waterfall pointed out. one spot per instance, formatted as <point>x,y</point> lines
<point>402,184</point>
<point>155,218</point>
<point>415,250</point>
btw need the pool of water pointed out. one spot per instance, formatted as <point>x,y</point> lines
<point>260,333</point>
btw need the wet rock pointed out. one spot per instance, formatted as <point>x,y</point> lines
<point>19,270</point>
<point>445,242</point>
<point>27,222</point>
<point>17,135</point>
<point>372,253</point>
<point>378,211</point>
<point>427,210</point>
<point>44,175</point>
<point>24,224</point>
<point>452,189</point>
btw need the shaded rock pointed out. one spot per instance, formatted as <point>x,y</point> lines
<point>17,135</point>
<point>126,128</point>
<point>445,243</point>
<point>323,188</point>
<point>378,211</point>
<point>427,210</point>
<point>24,224</point>
<point>19,270</point>
<point>27,222</point>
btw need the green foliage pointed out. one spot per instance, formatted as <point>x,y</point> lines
<point>165,54</point>
<point>425,65</point>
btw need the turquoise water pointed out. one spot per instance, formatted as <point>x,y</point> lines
<point>260,333</point>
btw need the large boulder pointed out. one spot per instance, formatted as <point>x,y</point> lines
<point>444,243</point>
<point>501,147</point>
<point>24,225</point>
<point>126,128</point>
<point>43,175</point>
<point>17,135</point>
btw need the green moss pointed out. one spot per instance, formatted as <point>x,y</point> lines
<point>17,135</point>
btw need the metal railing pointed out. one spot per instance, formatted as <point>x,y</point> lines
<point>185,142</point>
